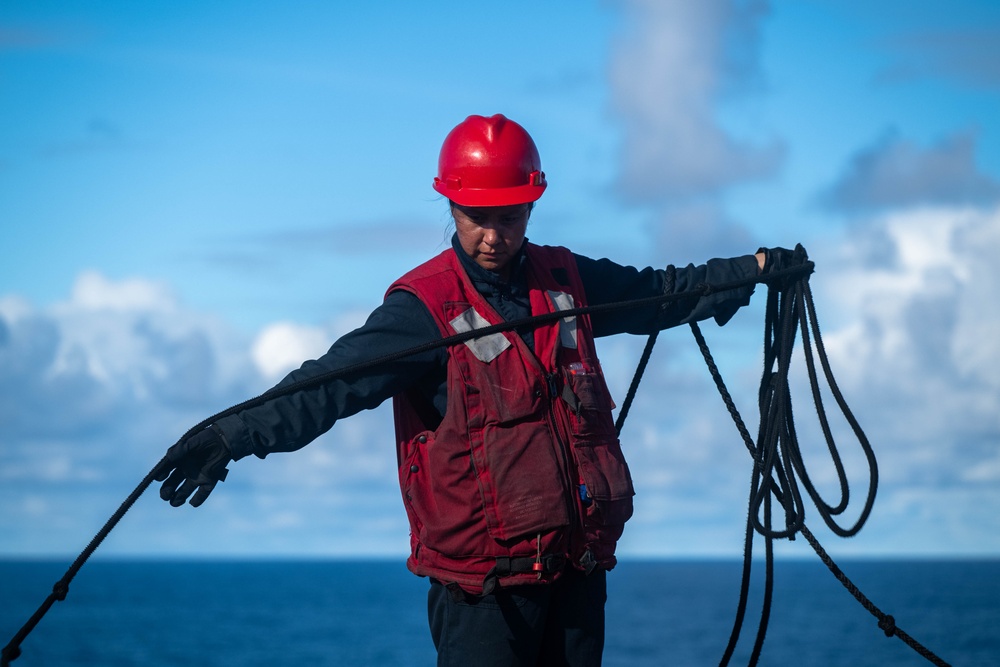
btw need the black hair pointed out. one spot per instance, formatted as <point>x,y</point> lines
<point>452,205</point>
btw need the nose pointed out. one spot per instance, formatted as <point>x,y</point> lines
<point>490,236</point>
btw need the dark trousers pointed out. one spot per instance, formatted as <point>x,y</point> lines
<point>523,626</point>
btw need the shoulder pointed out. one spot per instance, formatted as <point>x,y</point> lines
<point>548,253</point>
<point>436,268</point>
<point>555,268</point>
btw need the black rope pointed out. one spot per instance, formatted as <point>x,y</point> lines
<point>777,458</point>
<point>61,588</point>
<point>12,650</point>
<point>758,498</point>
<point>886,622</point>
<point>669,280</point>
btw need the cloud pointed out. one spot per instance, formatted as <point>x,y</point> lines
<point>670,70</point>
<point>696,232</point>
<point>918,348</point>
<point>94,292</point>
<point>969,55</point>
<point>928,307</point>
<point>95,388</point>
<point>281,347</point>
<point>112,350</point>
<point>908,312</point>
<point>896,172</point>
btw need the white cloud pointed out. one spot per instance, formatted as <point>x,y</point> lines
<point>76,434</point>
<point>896,172</point>
<point>283,346</point>
<point>670,69</point>
<point>909,315</point>
<point>984,471</point>
<point>975,344</point>
<point>917,351</point>
<point>93,291</point>
<point>94,389</point>
<point>926,301</point>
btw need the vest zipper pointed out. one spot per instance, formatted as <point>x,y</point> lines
<point>568,464</point>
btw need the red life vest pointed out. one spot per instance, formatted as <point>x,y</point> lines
<point>525,472</point>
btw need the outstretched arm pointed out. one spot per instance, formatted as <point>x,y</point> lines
<point>608,282</point>
<point>291,421</point>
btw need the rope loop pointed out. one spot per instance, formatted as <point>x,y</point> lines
<point>778,466</point>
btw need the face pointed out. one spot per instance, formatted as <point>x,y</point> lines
<point>491,235</point>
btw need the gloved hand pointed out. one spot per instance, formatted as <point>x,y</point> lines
<point>199,462</point>
<point>779,259</point>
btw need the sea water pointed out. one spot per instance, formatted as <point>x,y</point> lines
<point>206,613</point>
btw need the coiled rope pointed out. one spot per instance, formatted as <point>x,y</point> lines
<point>778,457</point>
<point>761,490</point>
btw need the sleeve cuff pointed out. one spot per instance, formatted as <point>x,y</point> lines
<point>237,435</point>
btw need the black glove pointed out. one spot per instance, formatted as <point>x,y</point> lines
<point>199,462</point>
<point>779,259</point>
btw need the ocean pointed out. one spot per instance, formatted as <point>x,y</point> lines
<point>153,613</point>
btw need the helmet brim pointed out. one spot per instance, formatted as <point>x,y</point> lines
<point>521,194</point>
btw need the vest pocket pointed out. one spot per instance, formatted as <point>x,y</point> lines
<point>520,481</point>
<point>440,495</point>
<point>589,403</point>
<point>603,469</point>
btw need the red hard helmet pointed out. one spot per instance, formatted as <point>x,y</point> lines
<point>489,162</point>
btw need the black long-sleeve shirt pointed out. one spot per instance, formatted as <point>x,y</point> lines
<point>402,321</point>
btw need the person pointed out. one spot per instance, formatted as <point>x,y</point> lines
<point>511,472</point>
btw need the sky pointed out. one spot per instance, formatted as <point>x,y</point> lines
<point>197,197</point>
